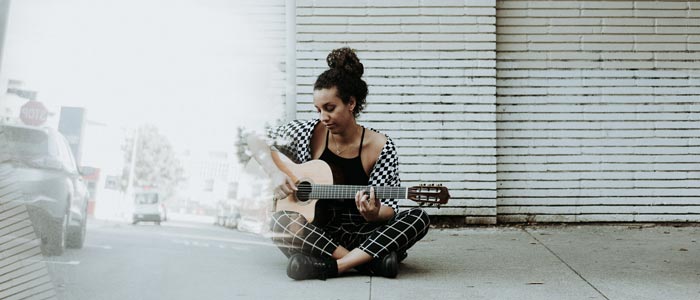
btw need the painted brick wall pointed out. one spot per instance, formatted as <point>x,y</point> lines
<point>598,107</point>
<point>566,111</point>
<point>430,67</point>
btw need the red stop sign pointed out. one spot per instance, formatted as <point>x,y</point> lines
<point>33,113</point>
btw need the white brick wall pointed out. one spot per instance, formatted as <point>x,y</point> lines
<point>598,111</point>
<point>561,111</point>
<point>430,67</point>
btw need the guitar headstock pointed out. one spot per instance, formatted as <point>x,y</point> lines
<point>429,194</point>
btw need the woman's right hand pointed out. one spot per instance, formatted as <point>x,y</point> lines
<point>283,185</point>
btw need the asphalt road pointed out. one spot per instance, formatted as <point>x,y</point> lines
<point>177,260</point>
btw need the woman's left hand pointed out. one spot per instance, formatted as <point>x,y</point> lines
<point>368,205</point>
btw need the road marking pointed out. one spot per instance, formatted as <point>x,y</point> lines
<point>198,244</point>
<point>72,262</point>
<point>206,245</point>
<point>108,247</point>
<point>213,238</point>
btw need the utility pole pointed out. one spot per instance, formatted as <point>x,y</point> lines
<point>4,15</point>
<point>132,164</point>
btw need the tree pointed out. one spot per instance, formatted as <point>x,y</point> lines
<point>242,145</point>
<point>242,142</point>
<point>156,164</point>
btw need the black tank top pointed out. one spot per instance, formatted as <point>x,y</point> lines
<point>347,171</point>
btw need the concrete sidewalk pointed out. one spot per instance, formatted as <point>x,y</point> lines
<point>531,262</point>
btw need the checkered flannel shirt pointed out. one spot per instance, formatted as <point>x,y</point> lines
<point>294,138</point>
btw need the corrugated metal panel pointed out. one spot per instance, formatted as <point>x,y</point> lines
<point>598,111</point>
<point>430,67</point>
<point>23,274</point>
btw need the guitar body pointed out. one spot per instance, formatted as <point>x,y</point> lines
<point>315,171</point>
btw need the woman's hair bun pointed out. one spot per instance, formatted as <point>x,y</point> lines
<point>346,60</point>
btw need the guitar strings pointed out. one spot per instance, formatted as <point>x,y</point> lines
<point>345,191</point>
<point>325,191</point>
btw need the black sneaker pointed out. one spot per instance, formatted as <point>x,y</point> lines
<point>302,267</point>
<point>401,256</point>
<point>387,266</point>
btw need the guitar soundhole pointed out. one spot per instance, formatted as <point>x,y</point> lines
<point>304,191</point>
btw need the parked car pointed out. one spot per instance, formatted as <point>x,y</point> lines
<point>251,224</point>
<point>40,163</point>
<point>227,215</point>
<point>148,206</point>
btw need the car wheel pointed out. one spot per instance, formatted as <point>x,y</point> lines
<point>76,235</point>
<point>54,243</point>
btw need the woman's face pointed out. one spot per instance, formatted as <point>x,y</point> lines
<point>334,114</point>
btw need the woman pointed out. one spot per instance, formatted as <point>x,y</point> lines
<point>364,233</point>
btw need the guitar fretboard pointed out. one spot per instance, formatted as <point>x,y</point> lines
<point>323,191</point>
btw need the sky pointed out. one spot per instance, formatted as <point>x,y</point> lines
<point>187,66</point>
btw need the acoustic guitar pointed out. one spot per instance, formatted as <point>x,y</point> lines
<point>314,181</point>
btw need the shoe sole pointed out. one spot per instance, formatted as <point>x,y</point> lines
<point>391,265</point>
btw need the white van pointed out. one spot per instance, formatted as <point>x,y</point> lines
<point>148,207</point>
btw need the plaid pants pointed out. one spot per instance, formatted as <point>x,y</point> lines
<point>340,226</point>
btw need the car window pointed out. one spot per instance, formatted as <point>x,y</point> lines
<point>66,154</point>
<point>62,155</point>
<point>17,141</point>
<point>146,198</point>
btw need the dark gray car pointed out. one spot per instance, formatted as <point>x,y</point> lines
<point>47,180</point>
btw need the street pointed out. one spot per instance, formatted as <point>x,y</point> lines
<point>177,260</point>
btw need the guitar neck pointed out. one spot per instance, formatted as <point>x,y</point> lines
<point>323,191</point>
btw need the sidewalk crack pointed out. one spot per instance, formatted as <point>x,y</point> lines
<point>566,264</point>
<point>370,288</point>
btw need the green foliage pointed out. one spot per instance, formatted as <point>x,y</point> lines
<point>242,134</point>
<point>242,145</point>
<point>156,164</point>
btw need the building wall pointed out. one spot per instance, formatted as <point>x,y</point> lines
<point>267,52</point>
<point>562,111</point>
<point>429,90</point>
<point>598,107</point>
<point>4,10</point>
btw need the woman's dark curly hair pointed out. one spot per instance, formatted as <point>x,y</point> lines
<point>345,74</point>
